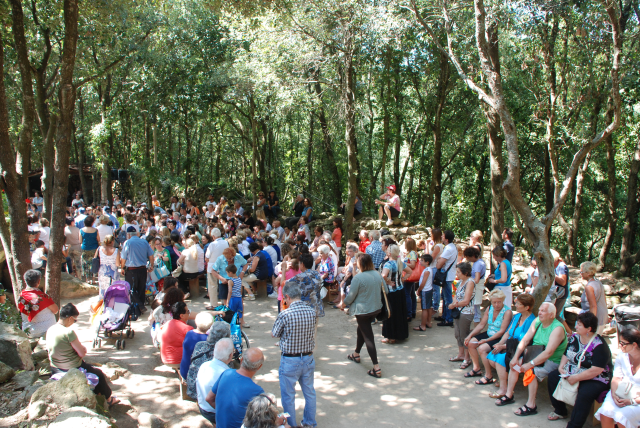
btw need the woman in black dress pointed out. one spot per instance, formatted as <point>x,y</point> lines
<point>397,326</point>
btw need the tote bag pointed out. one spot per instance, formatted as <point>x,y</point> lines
<point>565,391</point>
<point>385,311</point>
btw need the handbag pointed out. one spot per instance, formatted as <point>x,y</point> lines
<point>532,351</point>
<point>95,263</point>
<point>159,272</point>
<point>455,313</point>
<point>440,278</point>
<point>627,390</point>
<point>176,273</point>
<point>565,391</point>
<point>385,311</point>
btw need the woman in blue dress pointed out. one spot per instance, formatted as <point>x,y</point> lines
<point>517,329</point>
<point>501,278</point>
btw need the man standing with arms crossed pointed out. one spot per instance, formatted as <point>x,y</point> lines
<point>295,327</point>
<point>135,253</point>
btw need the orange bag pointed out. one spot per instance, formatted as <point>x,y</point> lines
<point>528,377</point>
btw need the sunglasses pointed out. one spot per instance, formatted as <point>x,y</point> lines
<point>623,344</point>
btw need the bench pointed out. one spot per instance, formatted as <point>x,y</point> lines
<point>261,285</point>
<point>182,382</point>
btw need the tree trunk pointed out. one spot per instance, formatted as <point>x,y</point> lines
<point>310,152</point>
<point>627,259</point>
<point>436,177</point>
<point>81,149</point>
<point>610,196</point>
<point>66,107</point>
<point>348,99</point>
<point>327,144</point>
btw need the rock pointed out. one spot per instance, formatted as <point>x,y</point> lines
<point>39,356</point>
<point>398,221</point>
<point>70,391</point>
<point>25,379</point>
<point>518,278</point>
<point>15,348</point>
<point>575,301</point>
<point>71,287</point>
<point>571,314</point>
<point>112,371</point>
<point>634,297</point>
<point>148,420</point>
<point>30,390</point>
<point>80,417</point>
<point>612,301</point>
<point>404,223</point>
<point>622,288</point>
<point>6,372</point>
<point>37,409</point>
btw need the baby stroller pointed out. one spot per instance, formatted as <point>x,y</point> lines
<point>237,335</point>
<point>117,313</point>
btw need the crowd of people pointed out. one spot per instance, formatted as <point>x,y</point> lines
<point>376,279</point>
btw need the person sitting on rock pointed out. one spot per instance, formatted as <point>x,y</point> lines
<point>66,352</point>
<point>37,309</point>
<point>389,205</point>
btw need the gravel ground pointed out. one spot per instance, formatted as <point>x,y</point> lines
<point>419,386</point>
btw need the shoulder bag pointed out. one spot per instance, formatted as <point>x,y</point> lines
<point>95,262</point>
<point>385,311</point>
<point>511,345</point>
<point>440,277</point>
<point>532,351</point>
<point>567,392</point>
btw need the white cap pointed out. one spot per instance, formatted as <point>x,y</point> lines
<point>188,216</point>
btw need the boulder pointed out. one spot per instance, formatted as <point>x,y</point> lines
<point>613,301</point>
<point>30,390</point>
<point>518,278</point>
<point>71,287</point>
<point>40,355</point>
<point>623,288</point>
<point>112,371</point>
<point>404,223</point>
<point>571,314</point>
<point>634,297</point>
<point>398,221</point>
<point>70,391</point>
<point>6,372</point>
<point>15,347</point>
<point>147,420</point>
<point>80,417</point>
<point>25,379</point>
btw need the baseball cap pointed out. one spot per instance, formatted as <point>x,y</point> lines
<point>188,216</point>
<point>131,229</point>
<point>81,210</point>
<point>392,187</point>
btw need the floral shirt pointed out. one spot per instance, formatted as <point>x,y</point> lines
<point>597,355</point>
<point>31,302</point>
<point>327,267</point>
<point>310,284</point>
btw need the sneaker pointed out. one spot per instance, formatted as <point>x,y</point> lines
<point>438,319</point>
<point>273,295</point>
<point>252,297</point>
<point>389,222</point>
<point>186,296</point>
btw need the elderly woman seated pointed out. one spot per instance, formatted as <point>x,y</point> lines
<point>37,309</point>
<point>203,352</point>
<point>620,407</point>
<point>519,326</point>
<point>587,361</point>
<point>497,317</point>
<point>263,413</point>
<point>66,352</point>
<point>172,335</point>
<point>545,332</point>
<point>203,324</point>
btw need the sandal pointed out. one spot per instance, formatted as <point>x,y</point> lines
<point>113,400</point>
<point>496,395</point>
<point>465,364</point>
<point>454,359</point>
<point>504,400</point>
<point>375,373</point>
<point>353,357</point>
<point>389,341</point>
<point>553,416</point>
<point>209,308</point>
<point>419,328</point>
<point>526,411</point>
<point>485,381</point>
<point>473,373</point>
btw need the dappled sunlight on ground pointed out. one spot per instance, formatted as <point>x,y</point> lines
<point>419,385</point>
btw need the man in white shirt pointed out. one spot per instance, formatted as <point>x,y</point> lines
<point>447,262</point>
<point>214,250</point>
<point>239,211</point>
<point>280,231</point>
<point>211,201</point>
<point>209,373</point>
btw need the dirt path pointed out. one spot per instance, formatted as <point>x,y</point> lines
<point>419,386</point>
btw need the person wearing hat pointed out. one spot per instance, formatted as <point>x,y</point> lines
<point>114,219</point>
<point>80,218</point>
<point>389,205</point>
<point>133,259</point>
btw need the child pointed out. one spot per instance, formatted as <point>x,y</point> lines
<point>38,258</point>
<point>234,298</point>
<point>425,291</point>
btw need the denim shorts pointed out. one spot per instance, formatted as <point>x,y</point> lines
<point>427,299</point>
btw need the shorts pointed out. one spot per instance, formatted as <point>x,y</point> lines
<point>484,335</point>
<point>394,212</point>
<point>223,290</point>
<point>427,299</point>
<point>235,305</point>
<point>543,371</point>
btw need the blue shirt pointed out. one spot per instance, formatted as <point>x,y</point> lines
<point>375,251</point>
<point>80,221</point>
<point>562,269</point>
<point>233,393</point>
<point>221,264</point>
<point>114,220</point>
<point>497,274</point>
<point>189,343</point>
<point>136,251</point>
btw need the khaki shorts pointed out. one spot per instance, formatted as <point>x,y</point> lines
<point>543,371</point>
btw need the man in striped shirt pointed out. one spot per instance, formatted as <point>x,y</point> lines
<point>295,327</point>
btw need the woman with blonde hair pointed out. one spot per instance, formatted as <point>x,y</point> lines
<point>189,260</point>
<point>593,298</point>
<point>395,327</point>
<point>109,262</point>
<point>103,228</point>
